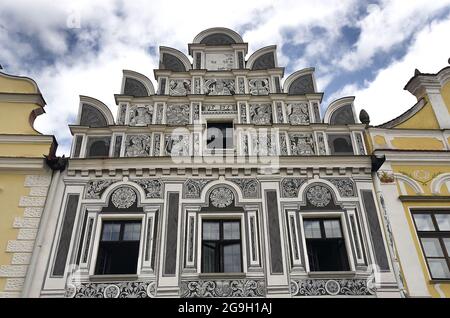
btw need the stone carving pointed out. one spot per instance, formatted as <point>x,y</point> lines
<point>137,145</point>
<point>134,88</point>
<point>263,144</point>
<point>195,112</point>
<point>223,288</point>
<point>283,144</point>
<point>178,114</point>
<point>316,112</point>
<point>259,86</point>
<point>331,287</point>
<point>193,187</point>
<point>123,198</point>
<point>141,115</point>
<point>219,87</point>
<point>264,62</point>
<point>245,144</point>
<point>248,186</point>
<point>261,114</point>
<point>345,186</point>
<point>95,188</point>
<point>159,114</point>
<point>241,60</point>
<point>386,176</point>
<point>157,145</point>
<point>221,197</point>
<point>196,144</point>
<point>291,186</point>
<point>198,60</point>
<point>319,196</point>
<point>360,143</point>
<point>177,145</point>
<point>321,144</point>
<point>243,112</point>
<point>219,108</point>
<point>280,116</point>
<point>301,144</point>
<point>302,85</point>
<point>152,187</point>
<point>298,114</point>
<point>122,114</point>
<point>219,61</point>
<point>179,87</point>
<point>197,86</point>
<point>241,85</point>
<point>173,63</point>
<point>111,290</point>
<point>92,117</point>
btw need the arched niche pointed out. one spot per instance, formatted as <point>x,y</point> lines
<point>94,113</point>
<point>123,198</point>
<point>320,196</point>
<point>263,59</point>
<point>341,112</point>
<point>218,36</point>
<point>136,84</point>
<point>173,60</point>
<point>300,83</point>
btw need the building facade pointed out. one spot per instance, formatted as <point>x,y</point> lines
<point>24,179</point>
<point>413,184</point>
<point>221,182</point>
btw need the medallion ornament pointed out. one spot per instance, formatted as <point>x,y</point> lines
<point>318,196</point>
<point>221,197</point>
<point>123,198</point>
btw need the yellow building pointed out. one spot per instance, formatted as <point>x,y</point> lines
<point>24,179</point>
<point>413,185</point>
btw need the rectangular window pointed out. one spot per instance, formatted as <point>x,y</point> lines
<point>220,135</point>
<point>221,247</point>
<point>325,245</point>
<point>433,229</point>
<point>118,251</point>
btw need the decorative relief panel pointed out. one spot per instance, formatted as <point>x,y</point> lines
<point>221,197</point>
<point>264,144</point>
<point>177,145</point>
<point>321,144</point>
<point>197,86</point>
<point>259,86</point>
<point>283,144</point>
<point>195,112</point>
<point>261,114</point>
<point>223,288</point>
<point>241,85</point>
<point>192,188</point>
<point>122,114</point>
<point>245,144</point>
<point>152,187</point>
<point>159,114</point>
<point>291,186</point>
<point>319,196</point>
<point>345,186</point>
<point>157,144</point>
<point>179,87</point>
<point>178,114</point>
<point>95,188</point>
<point>112,290</point>
<point>316,112</point>
<point>141,115</point>
<point>219,61</point>
<point>331,287</point>
<point>298,113</point>
<point>219,87</point>
<point>137,145</point>
<point>219,108</point>
<point>301,144</point>
<point>360,144</point>
<point>243,112</point>
<point>280,116</point>
<point>248,186</point>
<point>123,198</point>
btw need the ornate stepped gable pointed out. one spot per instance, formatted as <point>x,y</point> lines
<point>219,151</point>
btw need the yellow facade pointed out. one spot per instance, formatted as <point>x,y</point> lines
<point>415,175</point>
<point>24,178</point>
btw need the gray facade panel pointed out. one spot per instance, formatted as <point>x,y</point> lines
<point>172,234</point>
<point>276,258</point>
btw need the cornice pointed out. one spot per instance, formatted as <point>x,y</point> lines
<point>23,98</point>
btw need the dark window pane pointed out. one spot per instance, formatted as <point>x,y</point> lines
<point>132,232</point>
<point>111,232</point>
<point>231,231</point>
<point>332,229</point>
<point>424,222</point>
<point>220,135</point>
<point>232,258</point>
<point>312,229</point>
<point>211,231</point>
<point>209,258</point>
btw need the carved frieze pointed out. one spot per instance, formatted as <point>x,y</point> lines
<point>112,290</point>
<point>178,114</point>
<point>331,287</point>
<point>264,144</point>
<point>219,108</point>
<point>261,114</point>
<point>360,144</point>
<point>280,116</point>
<point>179,87</point>
<point>301,144</point>
<point>321,144</point>
<point>95,188</point>
<point>249,186</point>
<point>291,186</point>
<point>152,187</point>
<point>176,145</point>
<point>137,145</point>
<point>122,114</point>
<point>259,86</point>
<point>219,86</point>
<point>192,188</point>
<point>345,186</point>
<point>141,115</point>
<point>223,288</point>
<point>298,113</point>
<point>283,144</point>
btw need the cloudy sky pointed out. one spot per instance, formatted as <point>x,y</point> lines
<point>368,49</point>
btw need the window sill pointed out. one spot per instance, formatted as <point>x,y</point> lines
<point>336,274</point>
<point>222,275</point>
<point>439,281</point>
<point>118,277</point>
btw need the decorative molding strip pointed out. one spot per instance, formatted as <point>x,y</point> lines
<point>223,288</point>
<point>424,198</point>
<point>331,287</point>
<point>112,290</point>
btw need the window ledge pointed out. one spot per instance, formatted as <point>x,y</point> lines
<point>440,281</point>
<point>336,274</point>
<point>222,275</point>
<point>119,277</point>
